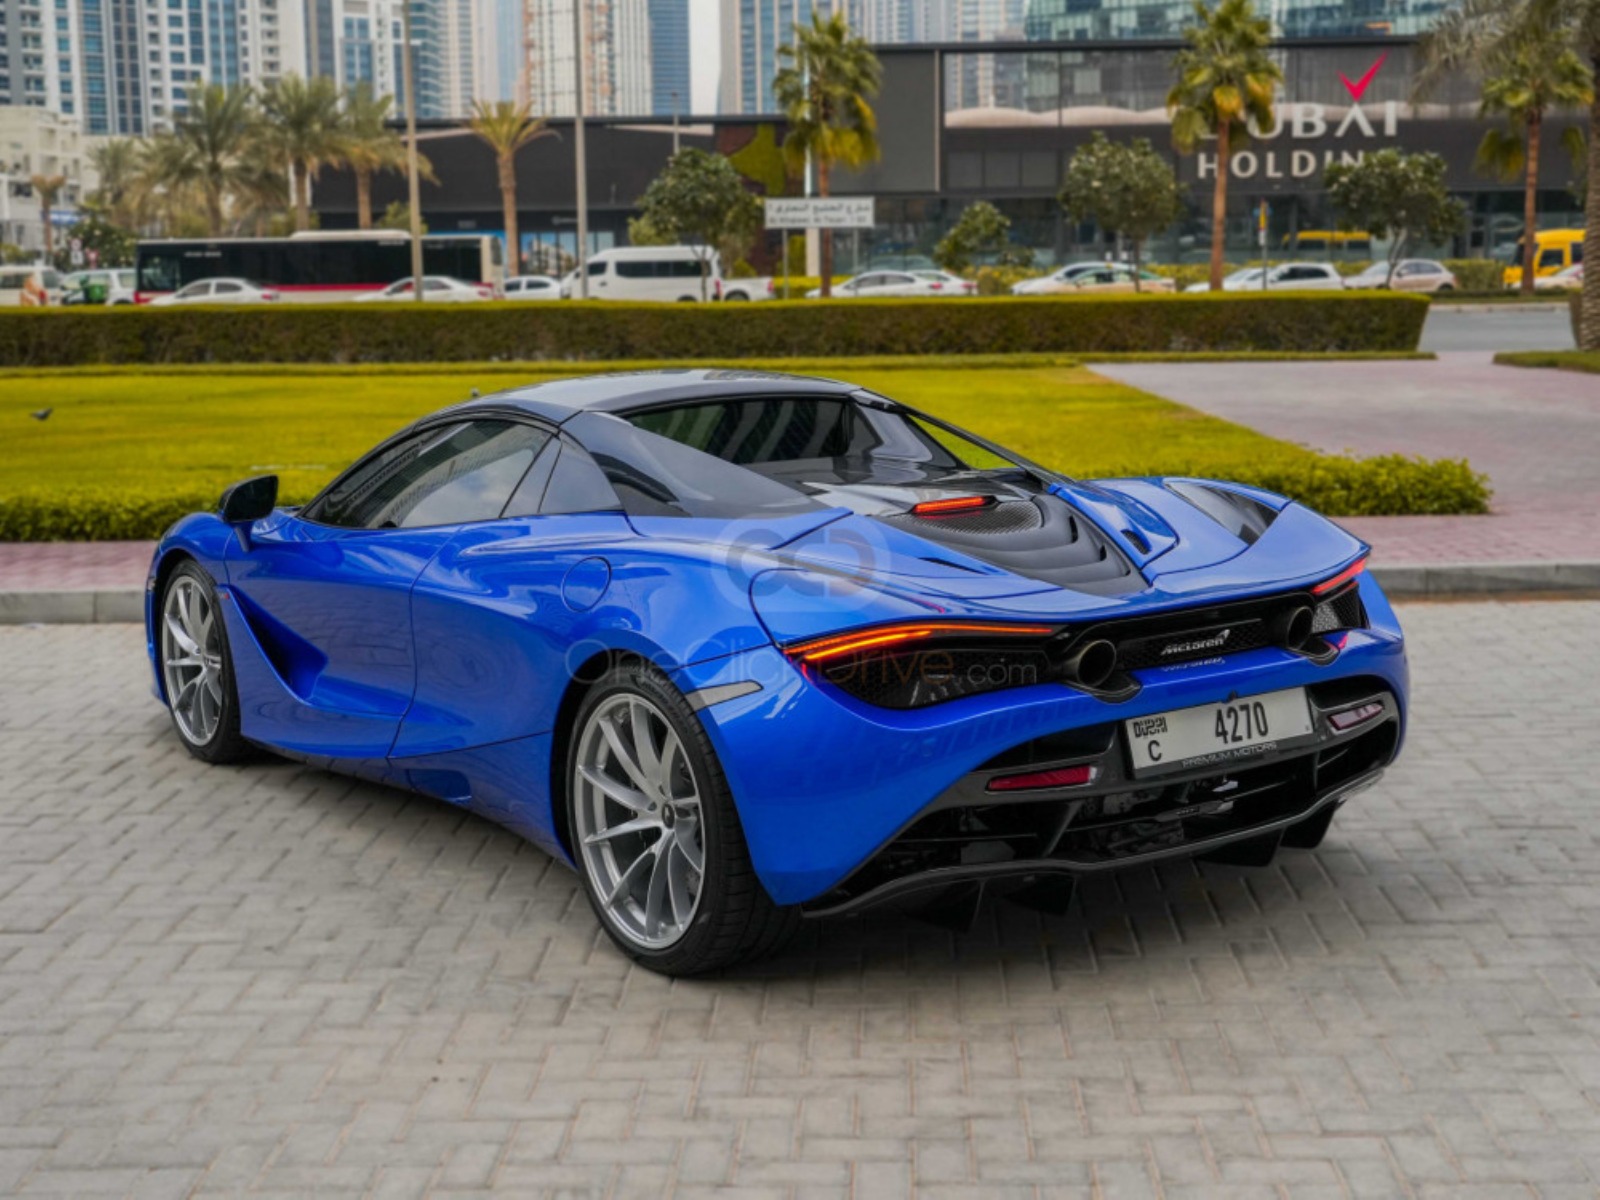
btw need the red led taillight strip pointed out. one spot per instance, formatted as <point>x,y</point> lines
<point>836,645</point>
<point>1342,578</point>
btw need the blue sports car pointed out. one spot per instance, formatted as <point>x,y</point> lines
<point>745,647</point>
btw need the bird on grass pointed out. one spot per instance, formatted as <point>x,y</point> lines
<point>42,414</point>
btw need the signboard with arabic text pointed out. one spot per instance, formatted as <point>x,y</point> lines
<point>819,212</point>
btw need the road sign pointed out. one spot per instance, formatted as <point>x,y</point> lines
<point>820,212</point>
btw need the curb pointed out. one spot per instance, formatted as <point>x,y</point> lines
<point>1435,581</point>
<point>1535,306</point>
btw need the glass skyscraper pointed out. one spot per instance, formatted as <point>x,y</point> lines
<point>1110,20</point>
<point>669,57</point>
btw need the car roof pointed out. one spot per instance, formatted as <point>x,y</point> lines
<point>629,391</point>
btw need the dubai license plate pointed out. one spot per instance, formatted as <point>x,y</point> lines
<point>1218,734</point>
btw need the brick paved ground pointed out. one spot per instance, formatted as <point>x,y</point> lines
<point>1535,433</point>
<point>271,981</point>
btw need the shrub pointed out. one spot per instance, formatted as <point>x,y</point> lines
<point>998,280</point>
<point>95,517</point>
<point>1478,274</point>
<point>604,331</point>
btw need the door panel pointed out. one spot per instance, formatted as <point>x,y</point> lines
<point>496,615</point>
<point>332,609</point>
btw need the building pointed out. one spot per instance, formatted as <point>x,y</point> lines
<point>37,141</point>
<point>669,57</point>
<point>40,53</point>
<point>752,31</point>
<point>944,149</point>
<point>1101,20</point>
<point>616,63</point>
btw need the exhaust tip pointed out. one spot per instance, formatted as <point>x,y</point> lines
<point>1093,664</point>
<point>1294,627</point>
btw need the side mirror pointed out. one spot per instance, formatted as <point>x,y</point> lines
<point>249,500</point>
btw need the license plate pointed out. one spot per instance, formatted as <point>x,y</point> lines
<point>1218,734</point>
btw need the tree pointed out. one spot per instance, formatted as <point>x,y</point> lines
<point>1398,196</point>
<point>1225,80</point>
<point>700,200</point>
<point>1128,190</point>
<point>301,125</point>
<point>116,161</point>
<point>1483,28</point>
<point>1527,70</point>
<point>398,216</point>
<point>215,137</point>
<point>370,146</point>
<point>981,229</point>
<point>823,87</point>
<point>507,126</point>
<point>105,243</point>
<point>47,189</point>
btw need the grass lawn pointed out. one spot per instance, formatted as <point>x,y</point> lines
<point>166,441</point>
<point>1565,360</point>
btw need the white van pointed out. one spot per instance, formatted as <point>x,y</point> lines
<point>648,273</point>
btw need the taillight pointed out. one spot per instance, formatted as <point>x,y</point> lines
<point>1342,578</point>
<point>936,286</point>
<point>913,664</point>
<point>954,506</point>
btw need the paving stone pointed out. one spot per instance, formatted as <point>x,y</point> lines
<point>268,981</point>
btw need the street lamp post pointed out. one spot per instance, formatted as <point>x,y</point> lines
<point>413,184</point>
<point>577,138</point>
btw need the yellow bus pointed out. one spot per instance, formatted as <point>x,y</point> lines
<point>1554,250</point>
<point>1329,241</point>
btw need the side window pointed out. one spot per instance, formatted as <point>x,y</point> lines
<point>1577,252</point>
<point>575,485</point>
<point>1554,257</point>
<point>444,475</point>
<point>635,268</point>
<point>226,289</point>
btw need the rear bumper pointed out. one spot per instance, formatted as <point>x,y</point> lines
<point>824,784</point>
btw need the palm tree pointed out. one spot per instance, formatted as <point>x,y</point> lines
<point>216,130</point>
<point>165,180</point>
<point>1528,70</point>
<point>301,125</point>
<point>507,126</point>
<point>371,146</point>
<point>1225,80</point>
<point>48,190</point>
<point>116,161</point>
<point>1484,27</point>
<point>823,87</point>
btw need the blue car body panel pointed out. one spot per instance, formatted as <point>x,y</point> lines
<point>439,659</point>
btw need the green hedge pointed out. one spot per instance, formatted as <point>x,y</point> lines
<point>1478,274</point>
<point>1336,485</point>
<point>603,331</point>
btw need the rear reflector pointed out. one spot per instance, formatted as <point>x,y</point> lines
<point>1351,717</point>
<point>945,508</point>
<point>1059,778</point>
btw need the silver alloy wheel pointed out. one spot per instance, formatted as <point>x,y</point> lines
<point>638,824</point>
<point>191,659</point>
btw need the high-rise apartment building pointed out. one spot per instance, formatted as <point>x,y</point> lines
<point>669,57</point>
<point>616,62</point>
<point>1106,20</point>
<point>40,55</point>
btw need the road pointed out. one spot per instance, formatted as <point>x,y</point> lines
<point>272,981</point>
<point>1503,329</point>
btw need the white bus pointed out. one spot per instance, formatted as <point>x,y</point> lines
<point>318,265</point>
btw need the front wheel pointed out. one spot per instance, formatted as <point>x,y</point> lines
<point>196,668</point>
<point>656,836</point>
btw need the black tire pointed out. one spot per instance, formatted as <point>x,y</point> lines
<point>735,920</point>
<point>224,743</point>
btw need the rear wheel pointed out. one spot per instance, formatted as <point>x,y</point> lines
<point>196,668</point>
<point>656,835</point>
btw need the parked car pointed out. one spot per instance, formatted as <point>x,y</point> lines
<point>30,286</point>
<point>1564,280</point>
<point>947,284</point>
<point>879,285</point>
<point>218,291</point>
<point>1059,280</point>
<point>751,287</point>
<point>1410,275</point>
<point>1299,277</point>
<point>932,670</point>
<point>116,286</point>
<point>670,273</point>
<point>1232,282</point>
<point>443,289</point>
<point>1116,278</point>
<point>533,287</point>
